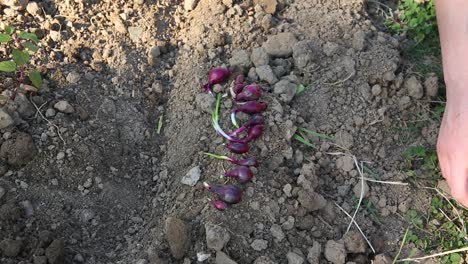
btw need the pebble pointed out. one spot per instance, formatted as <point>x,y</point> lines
<point>277,232</point>
<point>240,58</point>
<point>202,256</point>
<point>376,90</point>
<point>73,77</point>
<point>335,252</point>
<point>5,119</point>
<point>414,87</point>
<point>265,73</point>
<point>60,155</point>
<point>294,258</point>
<point>259,244</point>
<point>10,247</point>
<point>311,201</point>
<point>357,189</point>
<point>269,6</point>
<point>259,57</point>
<point>313,255</point>
<point>205,102</point>
<point>287,190</point>
<point>153,55</point>
<point>431,83</point>
<point>64,107</point>
<point>354,242</point>
<point>382,259</point>
<point>222,258</point>
<point>33,9</point>
<point>286,90</point>
<point>50,113</point>
<point>55,252</point>
<point>345,163</point>
<point>280,45</point>
<point>359,40</point>
<point>192,176</point>
<point>289,223</point>
<point>135,33</point>
<point>190,4</point>
<point>303,54</point>
<point>15,4</point>
<point>78,258</point>
<point>18,150</point>
<point>177,233</point>
<point>216,236</point>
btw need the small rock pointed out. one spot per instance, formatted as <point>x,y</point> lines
<point>205,102</point>
<point>18,150</point>
<point>286,90</point>
<point>259,244</point>
<point>311,201</point>
<point>303,53</point>
<point>64,107</point>
<point>60,155</point>
<point>330,48</point>
<point>357,189</point>
<point>404,102</point>
<point>432,85</point>
<point>359,40</point>
<point>289,223</point>
<point>265,73</point>
<point>344,139</point>
<point>135,33</point>
<point>294,258</point>
<point>277,232</point>
<point>202,256</point>
<point>23,106</point>
<point>414,87</point>
<point>33,9</point>
<point>365,91</point>
<point>222,258</point>
<point>354,242</point>
<point>267,22</point>
<point>27,208</point>
<point>153,55</point>
<point>240,58</point>
<point>404,206</point>
<point>50,112</point>
<point>15,4</point>
<point>259,57</point>
<point>73,77</point>
<point>79,258</point>
<point>313,255</point>
<point>118,23</point>
<point>345,163</point>
<point>5,119</point>
<point>287,190</point>
<point>382,259</point>
<point>55,252</point>
<point>10,247</point>
<point>190,5</point>
<point>280,45</point>
<point>192,176</point>
<point>335,252</point>
<point>264,260</point>
<point>269,6</point>
<point>177,234</point>
<point>376,90</point>
<point>389,76</point>
<point>216,236</point>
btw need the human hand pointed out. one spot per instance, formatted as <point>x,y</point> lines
<point>452,147</point>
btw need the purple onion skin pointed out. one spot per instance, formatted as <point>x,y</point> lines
<point>252,161</point>
<point>254,133</point>
<point>220,205</point>
<point>227,193</point>
<point>242,174</point>
<point>238,147</point>
<point>249,93</point>
<point>252,107</point>
<point>216,75</point>
<point>239,79</point>
<point>256,119</point>
<point>238,88</point>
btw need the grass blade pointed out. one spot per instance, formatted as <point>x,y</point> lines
<point>160,124</point>
<point>304,141</point>
<point>316,134</point>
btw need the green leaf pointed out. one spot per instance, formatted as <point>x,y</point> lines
<point>30,46</point>
<point>300,89</point>
<point>35,78</point>
<point>303,141</point>
<point>10,30</point>
<point>5,38</point>
<point>313,133</point>
<point>21,57</point>
<point>30,36</point>
<point>455,258</point>
<point>7,66</point>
